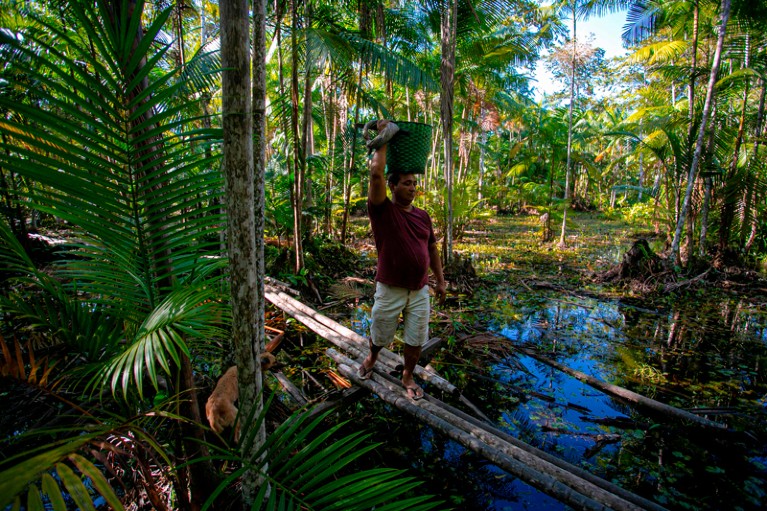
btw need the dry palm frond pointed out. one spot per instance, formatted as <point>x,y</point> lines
<point>33,371</point>
<point>338,380</point>
<point>345,290</point>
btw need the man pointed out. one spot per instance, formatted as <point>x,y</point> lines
<point>407,248</point>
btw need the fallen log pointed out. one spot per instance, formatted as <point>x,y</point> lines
<point>577,471</point>
<point>524,463</point>
<point>337,399</point>
<point>627,395</point>
<point>291,389</point>
<point>428,349</point>
<point>348,340</point>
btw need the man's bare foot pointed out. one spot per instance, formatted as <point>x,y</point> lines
<point>414,392</point>
<point>363,372</point>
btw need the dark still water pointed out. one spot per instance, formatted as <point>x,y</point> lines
<point>704,354</point>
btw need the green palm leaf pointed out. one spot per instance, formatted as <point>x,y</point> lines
<point>108,147</point>
<point>59,458</point>
<point>304,464</point>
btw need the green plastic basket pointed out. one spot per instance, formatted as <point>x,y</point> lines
<point>409,149</point>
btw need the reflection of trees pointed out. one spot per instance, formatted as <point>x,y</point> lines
<point>706,352</point>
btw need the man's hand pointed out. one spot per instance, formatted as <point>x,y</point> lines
<point>386,131</point>
<point>440,291</point>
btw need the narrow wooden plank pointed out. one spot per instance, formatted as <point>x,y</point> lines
<point>550,478</point>
<point>347,339</point>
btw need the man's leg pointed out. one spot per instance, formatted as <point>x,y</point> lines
<point>387,307</point>
<point>412,354</point>
<point>416,333</point>
<point>366,368</point>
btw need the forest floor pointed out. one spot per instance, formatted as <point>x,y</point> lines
<point>600,255</point>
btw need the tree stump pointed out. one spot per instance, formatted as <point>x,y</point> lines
<point>461,274</point>
<point>639,262</point>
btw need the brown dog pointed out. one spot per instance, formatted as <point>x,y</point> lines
<point>220,408</point>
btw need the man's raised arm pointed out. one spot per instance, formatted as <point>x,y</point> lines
<point>377,186</point>
<point>386,130</point>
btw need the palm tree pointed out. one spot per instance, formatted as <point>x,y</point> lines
<point>696,157</point>
<point>104,135</point>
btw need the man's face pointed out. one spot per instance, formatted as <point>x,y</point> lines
<point>403,192</point>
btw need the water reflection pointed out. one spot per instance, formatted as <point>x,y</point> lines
<point>696,354</point>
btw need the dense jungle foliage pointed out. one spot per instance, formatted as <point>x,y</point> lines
<point>116,273</point>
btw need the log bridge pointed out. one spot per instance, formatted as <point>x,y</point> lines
<point>566,482</point>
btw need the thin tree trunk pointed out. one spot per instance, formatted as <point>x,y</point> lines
<point>447,78</point>
<point>253,394</point>
<point>481,180</point>
<point>693,65</point>
<point>729,202</point>
<point>725,16</point>
<point>352,157</point>
<point>237,163</point>
<point>758,128</point>
<point>568,169</point>
<point>707,192</point>
<point>298,156</point>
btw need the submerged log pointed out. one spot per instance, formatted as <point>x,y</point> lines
<point>538,469</point>
<point>627,395</point>
<point>337,399</point>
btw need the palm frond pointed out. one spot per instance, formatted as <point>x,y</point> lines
<point>165,334</point>
<point>641,21</point>
<point>396,68</point>
<point>110,157</point>
<point>659,53</point>
<point>305,467</point>
<point>62,461</point>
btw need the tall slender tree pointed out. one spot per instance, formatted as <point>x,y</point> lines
<point>245,266</point>
<point>692,174</point>
<point>447,97</point>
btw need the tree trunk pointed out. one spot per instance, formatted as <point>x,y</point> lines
<point>568,169</point>
<point>255,393</point>
<point>447,78</point>
<point>758,128</point>
<point>352,156</point>
<point>237,163</point>
<point>307,133</point>
<point>725,16</point>
<point>298,154</point>
<point>693,65</point>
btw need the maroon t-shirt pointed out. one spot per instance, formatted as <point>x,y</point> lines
<point>402,240</point>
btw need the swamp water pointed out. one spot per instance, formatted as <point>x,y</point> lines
<point>703,354</point>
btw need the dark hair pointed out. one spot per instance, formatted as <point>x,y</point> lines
<point>393,178</point>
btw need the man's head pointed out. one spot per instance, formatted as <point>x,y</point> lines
<point>402,187</point>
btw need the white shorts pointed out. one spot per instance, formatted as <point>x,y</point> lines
<point>390,302</point>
